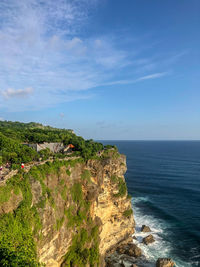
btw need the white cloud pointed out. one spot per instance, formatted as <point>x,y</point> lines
<point>21,93</point>
<point>152,76</point>
<point>41,47</point>
<point>140,79</point>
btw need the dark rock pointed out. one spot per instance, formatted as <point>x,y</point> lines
<point>116,203</point>
<point>145,229</point>
<point>148,239</point>
<point>112,261</point>
<point>133,250</point>
<point>92,194</point>
<point>164,262</point>
<point>129,249</point>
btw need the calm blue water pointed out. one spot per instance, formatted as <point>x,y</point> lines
<point>163,178</point>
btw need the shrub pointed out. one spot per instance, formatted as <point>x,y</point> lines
<point>77,194</point>
<point>114,178</point>
<point>122,189</point>
<point>68,172</point>
<point>86,175</point>
<point>128,213</point>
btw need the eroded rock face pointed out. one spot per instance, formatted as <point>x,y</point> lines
<point>115,226</point>
<point>129,249</point>
<point>107,207</point>
<point>164,263</point>
<point>12,204</point>
<point>125,253</point>
<point>106,210</point>
<point>148,240</point>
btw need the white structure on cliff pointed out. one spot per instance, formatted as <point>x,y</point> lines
<point>53,147</point>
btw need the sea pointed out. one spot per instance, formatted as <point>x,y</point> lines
<point>163,178</point>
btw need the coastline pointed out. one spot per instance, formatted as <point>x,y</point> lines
<point>133,251</point>
<point>160,178</point>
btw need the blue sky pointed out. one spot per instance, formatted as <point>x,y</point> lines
<point>108,69</point>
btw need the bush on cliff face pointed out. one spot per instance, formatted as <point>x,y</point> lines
<point>121,186</point>
<point>128,213</point>
<point>85,244</point>
<point>122,189</point>
<point>19,228</point>
<point>17,245</point>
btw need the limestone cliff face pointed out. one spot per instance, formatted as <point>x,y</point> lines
<point>109,207</point>
<point>64,207</point>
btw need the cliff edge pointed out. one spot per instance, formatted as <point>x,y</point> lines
<point>66,213</point>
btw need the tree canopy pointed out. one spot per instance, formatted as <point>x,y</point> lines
<point>14,134</point>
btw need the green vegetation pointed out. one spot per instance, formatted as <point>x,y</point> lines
<point>68,172</point>
<point>86,175</point>
<point>85,244</point>
<point>121,186</point>
<point>44,154</point>
<point>17,245</point>
<point>114,178</point>
<point>129,196</point>
<point>110,152</point>
<point>79,254</point>
<point>122,189</point>
<point>128,213</point>
<point>14,152</point>
<point>19,229</point>
<point>14,134</point>
<point>59,223</point>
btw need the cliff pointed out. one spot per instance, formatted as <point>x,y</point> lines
<point>65,213</point>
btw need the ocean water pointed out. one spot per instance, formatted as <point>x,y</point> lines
<point>163,178</point>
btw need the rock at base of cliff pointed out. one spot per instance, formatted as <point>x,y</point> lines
<point>129,249</point>
<point>165,263</point>
<point>145,229</point>
<point>148,240</point>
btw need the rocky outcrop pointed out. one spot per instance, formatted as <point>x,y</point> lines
<point>13,203</point>
<point>164,263</point>
<point>145,229</point>
<point>148,240</point>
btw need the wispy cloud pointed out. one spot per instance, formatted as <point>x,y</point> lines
<point>21,93</point>
<point>152,76</point>
<point>140,79</point>
<point>41,47</point>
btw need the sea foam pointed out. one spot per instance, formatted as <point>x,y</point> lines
<point>161,248</point>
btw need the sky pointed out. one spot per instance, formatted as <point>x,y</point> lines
<point>108,69</point>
